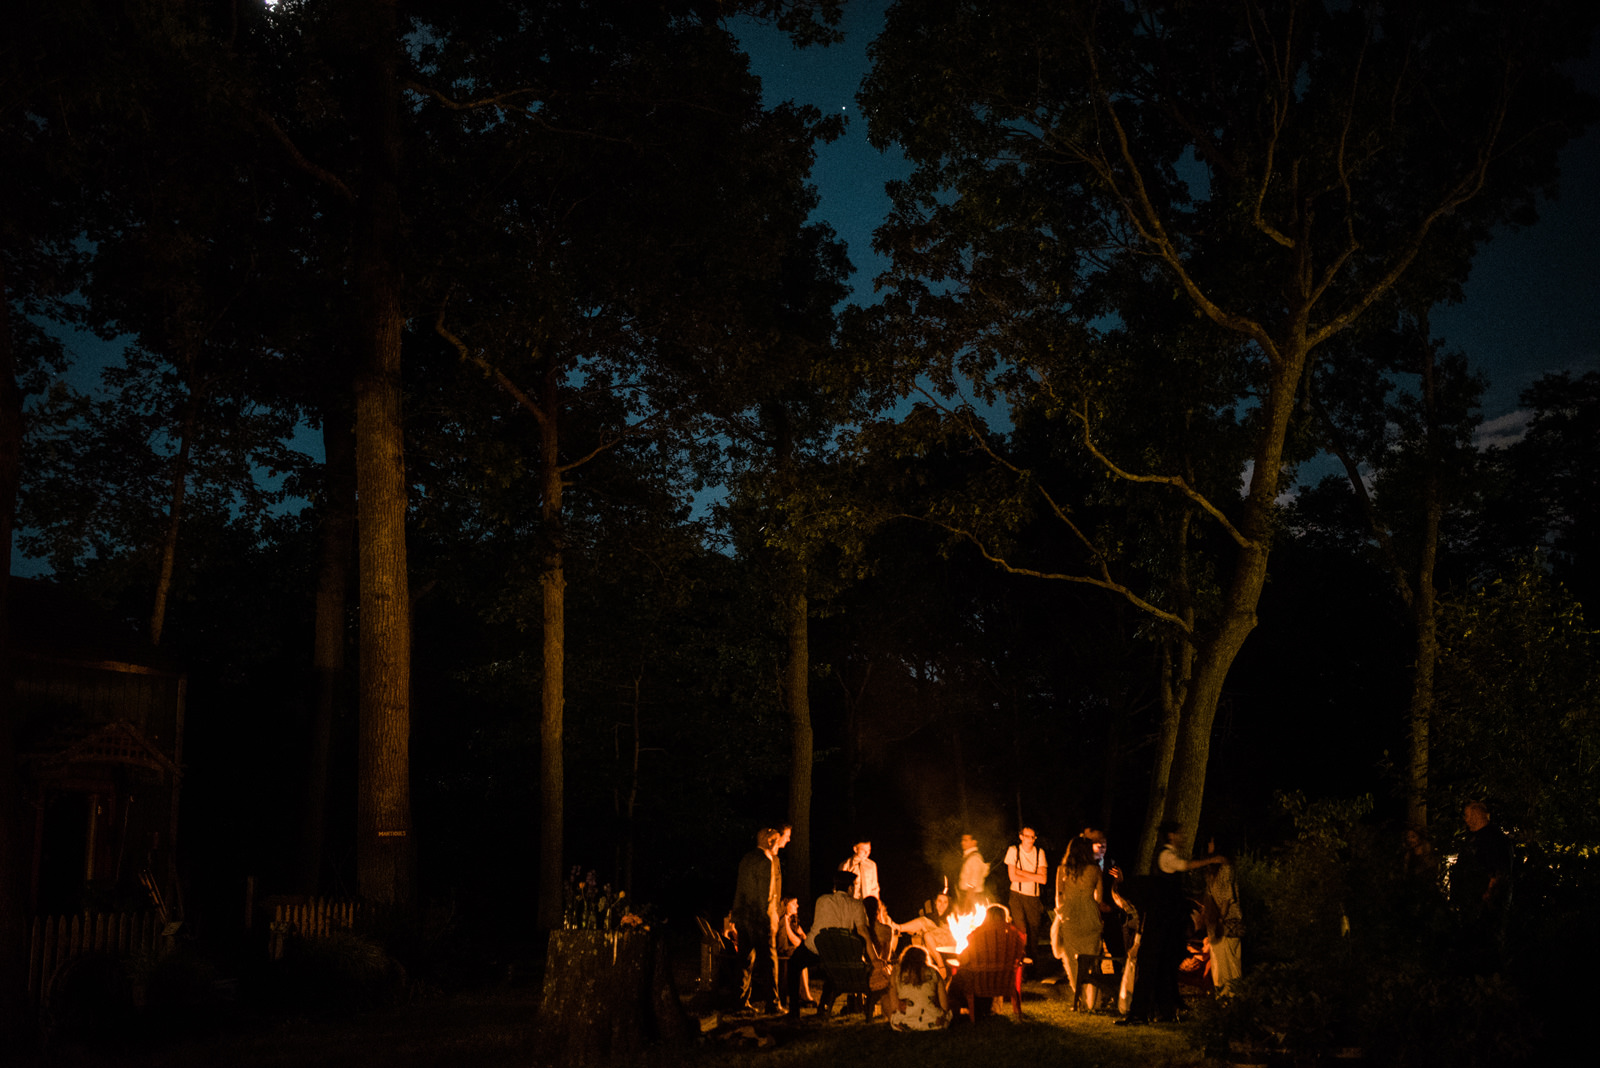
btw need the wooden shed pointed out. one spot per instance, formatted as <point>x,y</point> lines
<point>100,744</point>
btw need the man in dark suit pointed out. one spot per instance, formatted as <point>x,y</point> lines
<point>755,920</point>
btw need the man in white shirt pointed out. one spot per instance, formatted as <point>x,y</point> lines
<point>1028,870</point>
<point>866,871</point>
<point>969,884</point>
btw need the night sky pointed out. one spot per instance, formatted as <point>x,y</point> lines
<point>1532,305</point>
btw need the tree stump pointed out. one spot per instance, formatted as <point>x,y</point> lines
<point>608,999</point>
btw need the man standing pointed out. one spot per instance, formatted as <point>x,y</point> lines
<point>755,920</point>
<point>1026,864</point>
<point>969,884</point>
<point>1110,875</point>
<point>866,871</point>
<point>1164,923</point>
<point>1480,887</point>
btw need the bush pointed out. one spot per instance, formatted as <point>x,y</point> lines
<point>1343,952</point>
<point>340,974</point>
<point>1397,1014</point>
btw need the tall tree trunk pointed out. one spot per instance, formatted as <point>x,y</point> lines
<point>1216,650</point>
<point>797,701</point>
<point>1421,712</point>
<point>1424,607</point>
<point>15,858</point>
<point>1177,668</point>
<point>176,496</point>
<point>552,697</point>
<point>384,851</point>
<point>328,639</point>
<point>626,806</point>
<point>1174,682</point>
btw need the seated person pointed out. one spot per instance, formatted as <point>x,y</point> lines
<point>790,936</point>
<point>916,999</point>
<point>932,928</point>
<point>836,910</point>
<point>994,945</point>
<point>885,932</point>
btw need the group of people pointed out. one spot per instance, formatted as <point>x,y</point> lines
<point>1475,885</point>
<point>915,984</point>
<point>1097,915</point>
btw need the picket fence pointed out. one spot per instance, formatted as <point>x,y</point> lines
<point>57,940</point>
<point>317,917</point>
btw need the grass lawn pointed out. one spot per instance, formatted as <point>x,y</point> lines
<point>496,1030</point>
<point>1048,1034</point>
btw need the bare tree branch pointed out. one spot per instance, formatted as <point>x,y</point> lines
<point>1177,482</point>
<point>1086,580</point>
<point>296,157</point>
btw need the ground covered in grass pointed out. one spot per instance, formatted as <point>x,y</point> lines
<point>1049,1033</point>
<point>497,1030</point>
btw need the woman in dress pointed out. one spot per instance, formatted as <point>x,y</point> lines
<point>885,932</point>
<point>790,936</point>
<point>1076,928</point>
<point>916,999</point>
<point>1224,920</point>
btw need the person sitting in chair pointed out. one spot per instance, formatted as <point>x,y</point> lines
<point>836,910</point>
<point>994,946</point>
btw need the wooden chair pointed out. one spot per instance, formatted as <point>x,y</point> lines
<point>1091,972</point>
<point>845,967</point>
<point>992,969</point>
<point>717,955</point>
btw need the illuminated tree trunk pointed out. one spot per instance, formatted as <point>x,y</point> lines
<point>797,701</point>
<point>609,999</point>
<point>1173,685</point>
<point>328,641</point>
<point>1424,605</point>
<point>1421,712</point>
<point>1216,650</point>
<point>1177,667</point>
<point>384,851</point>
<point>552,697</point>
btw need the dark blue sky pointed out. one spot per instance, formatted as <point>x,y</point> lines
<point>1532,305</point>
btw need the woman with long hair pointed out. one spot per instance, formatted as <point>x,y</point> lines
<point>1224,919</point>
<point>1075,931</point>
<point>916,999</point>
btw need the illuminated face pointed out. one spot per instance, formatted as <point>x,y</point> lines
<point>1027,837</point>
<point>941,903</point>
<point>784,836</point>
<point>793,909</point>
<point>863,850</point>
<point>968,843</point>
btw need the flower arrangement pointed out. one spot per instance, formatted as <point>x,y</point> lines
<point>589,906</point>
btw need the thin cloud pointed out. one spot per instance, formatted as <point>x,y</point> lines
<point>1503,431</point>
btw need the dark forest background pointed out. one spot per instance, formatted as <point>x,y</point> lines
<point>421,322</point>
